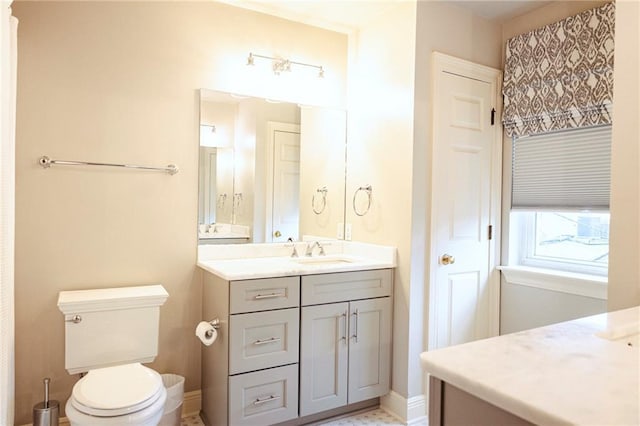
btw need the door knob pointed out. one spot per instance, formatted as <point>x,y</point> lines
<point>447,259</point>
<point>277,234</point>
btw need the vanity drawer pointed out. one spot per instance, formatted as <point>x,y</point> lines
<point>264,294</point>
<point>263,339</point>
<point>264,397</point>
<point>345,286</point>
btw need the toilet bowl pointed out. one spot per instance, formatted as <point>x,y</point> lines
<point>129,394</point>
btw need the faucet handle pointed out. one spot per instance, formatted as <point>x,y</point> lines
<point>290,243</point>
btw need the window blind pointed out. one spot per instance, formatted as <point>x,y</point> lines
<point>567,170</point>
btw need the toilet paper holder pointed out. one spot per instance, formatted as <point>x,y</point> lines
<point>215,323</point>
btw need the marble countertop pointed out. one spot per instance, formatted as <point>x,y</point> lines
<point>585,371</point>
<point>218,235</point>
<point>267,267</point>
<point>265,260</point>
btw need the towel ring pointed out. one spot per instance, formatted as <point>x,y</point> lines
<point>368,190</point>
<point>222,198</point>
<point>322,191</point>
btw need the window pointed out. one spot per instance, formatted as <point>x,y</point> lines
<point>570,241</point>
<point>560,200</point>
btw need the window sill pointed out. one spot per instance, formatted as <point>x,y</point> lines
<point>564,282</point>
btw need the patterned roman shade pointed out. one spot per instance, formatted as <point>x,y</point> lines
<point>560,76</point>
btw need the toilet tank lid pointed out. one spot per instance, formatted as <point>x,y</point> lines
<point>105,299</point>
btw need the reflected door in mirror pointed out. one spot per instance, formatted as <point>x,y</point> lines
<point>285,192</point>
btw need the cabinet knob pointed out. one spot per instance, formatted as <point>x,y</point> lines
<point>277,234</point>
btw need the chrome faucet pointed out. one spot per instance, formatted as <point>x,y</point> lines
<point>313,245</point>
<point>294,253</point>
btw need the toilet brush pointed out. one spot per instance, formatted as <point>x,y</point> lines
<point>46,413</point>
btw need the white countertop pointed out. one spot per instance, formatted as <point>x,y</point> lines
<point>252,261</point>
<point>559,374</point>
<point>267,267</point>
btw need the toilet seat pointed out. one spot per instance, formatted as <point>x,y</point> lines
<point>117,391</point>
<point>150,416</point>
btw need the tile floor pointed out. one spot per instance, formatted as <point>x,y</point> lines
<point>191,421</point>
<point>377,417</point>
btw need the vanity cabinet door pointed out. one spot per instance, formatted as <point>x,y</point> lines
<point>369,348</point>
<point>323,357</point>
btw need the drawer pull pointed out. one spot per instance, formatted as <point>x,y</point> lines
<point>355,334</point>
<point>267,399</point>
<point>344,335</point>
<point>268,296</point>
<point>264,342</point>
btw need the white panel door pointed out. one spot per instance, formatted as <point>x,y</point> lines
<point>286,185</point>
<point>369,348</point>
<point>463,151</point>
<point>323,357</point>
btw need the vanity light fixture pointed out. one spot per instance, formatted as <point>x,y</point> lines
<point>280,65</point>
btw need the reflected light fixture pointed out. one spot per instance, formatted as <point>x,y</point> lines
<point>209,136</point>
<point>280,65</point>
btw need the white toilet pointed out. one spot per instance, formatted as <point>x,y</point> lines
<point>108,334</point>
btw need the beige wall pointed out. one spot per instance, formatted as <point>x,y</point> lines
<point>379,151</point>
<point>389,148</point>
<point>545,15</point>
<point>322,159</point>
<point>118,82</point>
<point>624,268</point>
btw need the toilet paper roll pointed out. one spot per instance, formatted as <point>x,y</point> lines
<point>206,333</point>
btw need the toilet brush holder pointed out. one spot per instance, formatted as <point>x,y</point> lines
<point>46,413</point>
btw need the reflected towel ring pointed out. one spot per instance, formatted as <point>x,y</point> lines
<point>237,199</point>
<point>322,191</point>
<point>368,190</point>
<point>222,198</point>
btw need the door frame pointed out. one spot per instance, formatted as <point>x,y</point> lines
<point>452,65</point>
<point>272,127</point>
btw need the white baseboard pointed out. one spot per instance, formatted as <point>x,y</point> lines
<point>409,410</point>
<point>191,406</point>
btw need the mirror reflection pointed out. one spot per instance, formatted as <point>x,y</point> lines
<point>269,171</point>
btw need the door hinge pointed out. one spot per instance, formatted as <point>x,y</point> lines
<point>493,116</point>
<point>490,232</point>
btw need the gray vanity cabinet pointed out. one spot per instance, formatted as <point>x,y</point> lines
<point>250,373</point>
<point>345,346</point>
<point>276,362</point>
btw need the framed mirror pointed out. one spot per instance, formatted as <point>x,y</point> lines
<point>269,171</point>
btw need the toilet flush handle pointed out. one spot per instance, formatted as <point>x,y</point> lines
<point>74,319</point>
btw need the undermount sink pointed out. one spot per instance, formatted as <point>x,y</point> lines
<point>628,334</point>
<point>323,260</point>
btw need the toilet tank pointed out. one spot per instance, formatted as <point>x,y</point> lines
<point>111,326</point>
